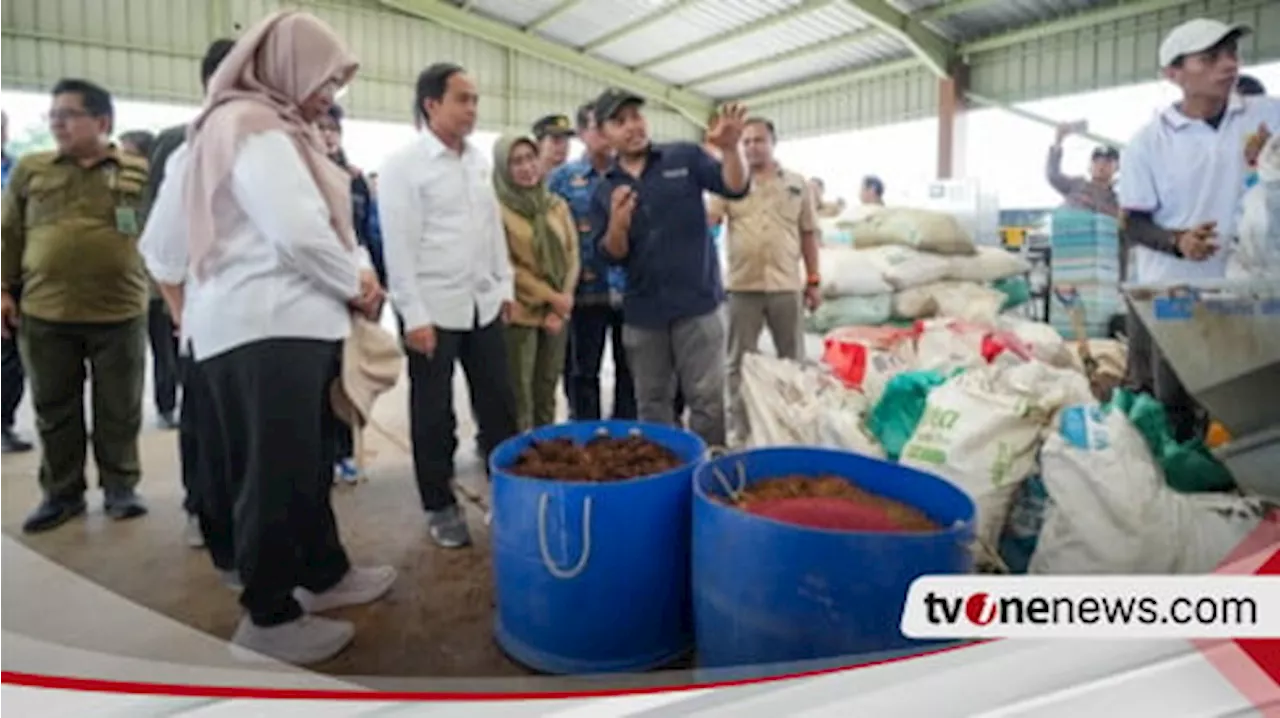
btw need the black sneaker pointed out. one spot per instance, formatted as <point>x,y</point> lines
<point>168,420</point>
<point>50,515</point>
<point>124,505</point>
<point>11,443</point>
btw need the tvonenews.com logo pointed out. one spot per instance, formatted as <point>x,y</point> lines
<point>1092,606</point>
<point>984,609</point>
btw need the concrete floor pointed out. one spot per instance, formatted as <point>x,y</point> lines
<point>435,622</point>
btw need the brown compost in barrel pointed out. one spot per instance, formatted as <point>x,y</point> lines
<point>600,459</point>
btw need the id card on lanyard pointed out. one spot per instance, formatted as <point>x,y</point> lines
<point>126,216</point>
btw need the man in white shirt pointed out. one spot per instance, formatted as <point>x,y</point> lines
<point>451,282</point>
<point>1182,184</point>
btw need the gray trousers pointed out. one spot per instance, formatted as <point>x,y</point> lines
<point>691,351</point>
<point>749,313</point>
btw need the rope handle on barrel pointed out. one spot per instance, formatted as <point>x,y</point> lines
<point>549,562</point>
<point>734,494</point>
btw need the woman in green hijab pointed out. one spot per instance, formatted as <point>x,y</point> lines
<point>543,244</point>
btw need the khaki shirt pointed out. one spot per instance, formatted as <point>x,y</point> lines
<point>69,237</point>
<point>764,231</point>
<point>533,292</point>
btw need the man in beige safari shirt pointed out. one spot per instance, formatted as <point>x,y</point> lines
<point>770,231</point>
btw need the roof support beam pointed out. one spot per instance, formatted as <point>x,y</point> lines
<point>695,108</point>
<point>764,23</point>
<point>933,50</point>
<point>560,8</point>
<point>639,24</point>
<point>803,51</point>
<point>1079,21</point>
<point>937,12</point>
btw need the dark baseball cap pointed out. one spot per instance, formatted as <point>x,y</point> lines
<point>1106,152</point>
<point>553,126</point>
<point>614,99</point>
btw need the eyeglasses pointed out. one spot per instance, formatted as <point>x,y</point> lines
<point>65,115</point>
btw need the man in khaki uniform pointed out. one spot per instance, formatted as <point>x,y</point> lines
<point>69,238</point>
<point>770,231</point>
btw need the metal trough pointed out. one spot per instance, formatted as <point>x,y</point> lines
<point>1222,339</point>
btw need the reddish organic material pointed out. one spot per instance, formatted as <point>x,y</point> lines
<point>601,459</point>
<point>816,501</point>
<point>826,513</point>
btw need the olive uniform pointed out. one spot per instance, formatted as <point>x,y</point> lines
<point>70,240</point>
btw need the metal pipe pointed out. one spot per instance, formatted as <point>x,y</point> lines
<point>1040,119</point>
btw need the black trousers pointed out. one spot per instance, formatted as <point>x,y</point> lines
<point>1148,372</point>
<point>271,399</point>
<point>164,356</point>
<point>13,381</point>
<point>590,328</point>
<point>202,449</point>
<point>482,352</point>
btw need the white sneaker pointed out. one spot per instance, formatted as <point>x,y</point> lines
<point>192,534</point>
<point>309,639</point>
<point>360,585</point>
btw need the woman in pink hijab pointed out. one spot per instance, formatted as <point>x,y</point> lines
<point>255,223</point>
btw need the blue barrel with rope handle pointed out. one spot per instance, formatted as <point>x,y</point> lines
<point>767,593</point>
<point>593,577</point>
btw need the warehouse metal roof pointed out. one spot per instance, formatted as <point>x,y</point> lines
<point>733,48</point>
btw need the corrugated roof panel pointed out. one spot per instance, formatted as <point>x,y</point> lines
<point>688,26</point>
<point>1004,15</point>
<point>870,51</point>
<point>513,12</point>
<point>802,30</point>
<point>591,19</point>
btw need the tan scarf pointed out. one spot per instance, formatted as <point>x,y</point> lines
<point>278,64</point>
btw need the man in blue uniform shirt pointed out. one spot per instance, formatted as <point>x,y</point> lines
<point>650,217</point>
<point>12,377</point>
<point>597,307</point>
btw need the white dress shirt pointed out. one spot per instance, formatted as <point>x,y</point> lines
<point>446,253</point>
<point>278,270</point>
<point>1185,173</point>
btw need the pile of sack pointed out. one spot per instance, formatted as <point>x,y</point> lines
<point>906,264</point>
<point>1063,482</point>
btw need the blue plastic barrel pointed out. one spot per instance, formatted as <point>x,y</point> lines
<point>593,577</point>
<point>770,592</point>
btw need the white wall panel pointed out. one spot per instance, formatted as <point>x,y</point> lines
<point>150,50</point>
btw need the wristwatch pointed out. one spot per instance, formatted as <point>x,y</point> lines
<point>815,279</point>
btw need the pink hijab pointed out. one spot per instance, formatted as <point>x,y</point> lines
<point>258,87</point>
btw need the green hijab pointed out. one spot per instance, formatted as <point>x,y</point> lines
<point>534,204</point>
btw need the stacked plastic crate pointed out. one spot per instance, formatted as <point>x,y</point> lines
<point>1085,257</point>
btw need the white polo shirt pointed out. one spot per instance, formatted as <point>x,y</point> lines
<point>1186,173</point>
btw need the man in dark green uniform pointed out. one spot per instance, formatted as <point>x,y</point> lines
<point>69,238</point>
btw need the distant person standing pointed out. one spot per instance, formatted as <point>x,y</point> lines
<point>451,281</point>
<point>1095,193</point>
<point>597,309</point>
<point>200,444</point>
<point>825,209</point>
<point>872,193</point>
<point>552,133</point>
<point>773,231</point>
<point>13,382</point>
<point>161,328</point>
<point>71,222</point>
<point>649,215</point>
<point>1250,86</point>
<point>330,126</point>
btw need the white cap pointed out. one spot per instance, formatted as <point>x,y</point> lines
<point>1195,36</point>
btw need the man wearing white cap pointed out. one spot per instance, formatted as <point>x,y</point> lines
<point>1184,177</point>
